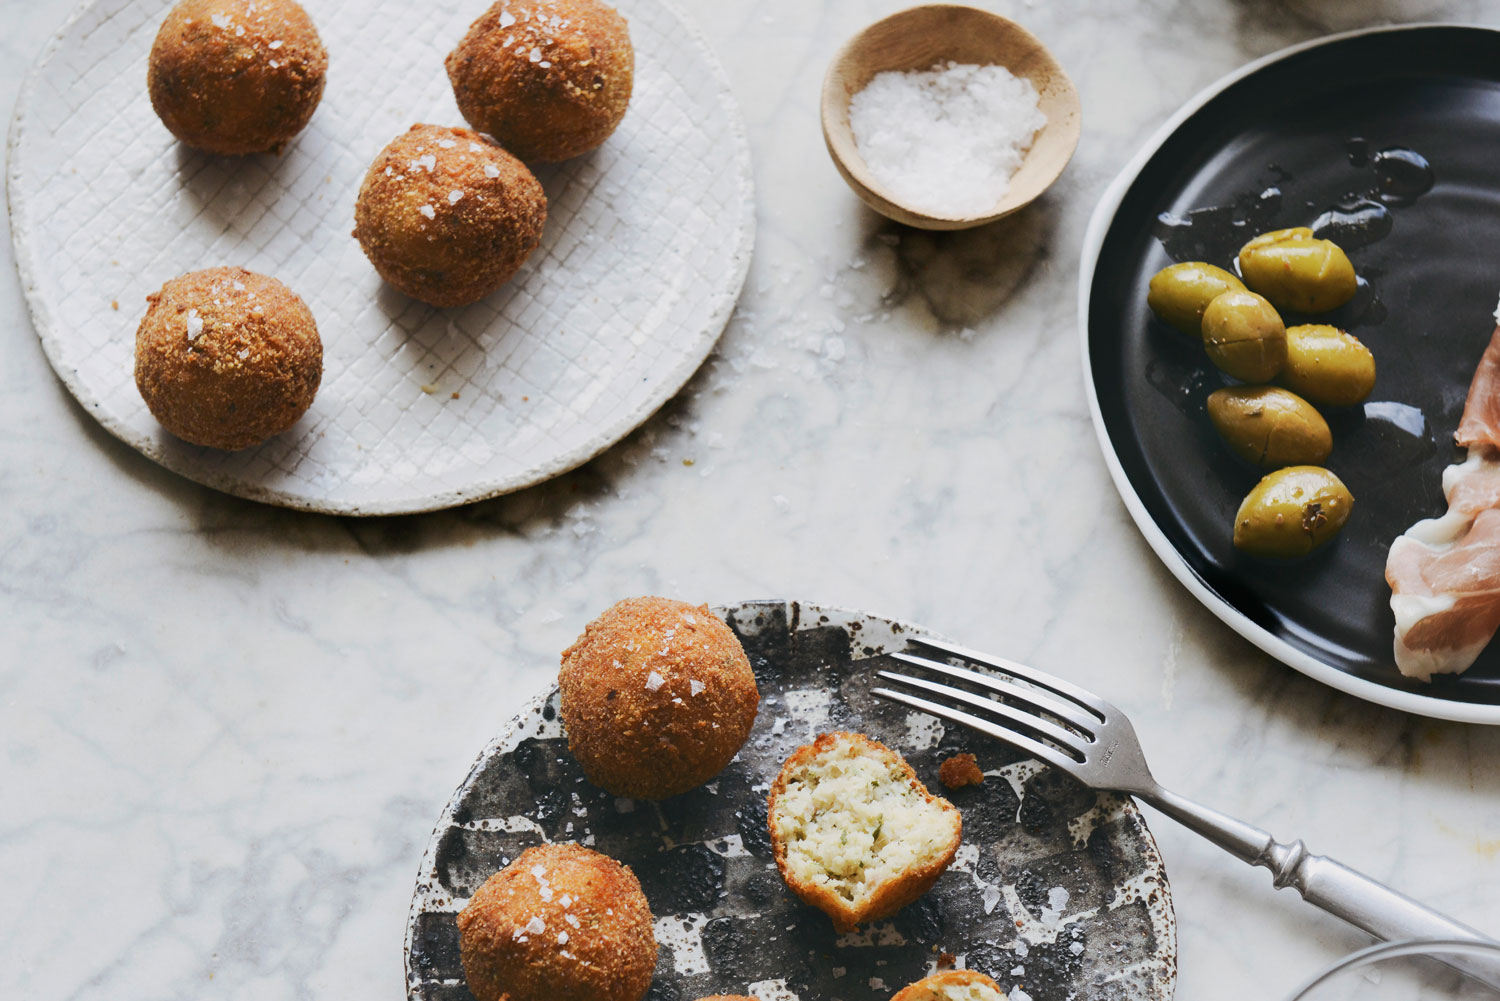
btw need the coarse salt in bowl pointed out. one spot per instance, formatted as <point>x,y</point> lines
<point>946,141</point>
<point>946,117</point>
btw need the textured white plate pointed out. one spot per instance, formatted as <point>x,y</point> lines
<point>647,244</point>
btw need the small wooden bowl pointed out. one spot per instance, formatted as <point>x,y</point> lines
<point>920,38</point>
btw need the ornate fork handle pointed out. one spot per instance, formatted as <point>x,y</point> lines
<point>1363,902</point>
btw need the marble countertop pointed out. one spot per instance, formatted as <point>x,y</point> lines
<point>226,730</point>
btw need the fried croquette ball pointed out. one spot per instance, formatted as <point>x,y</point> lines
<point>657,697</point>
<point>560,923</point>
<point>954,985</point>
<point>855,832</point>
<point>236,76</point>
<point>447,216</point>
<point>549,79</point>
<point>227,357</point>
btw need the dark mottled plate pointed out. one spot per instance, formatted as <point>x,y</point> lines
<point>1279,144</point>
<point>725,920</point>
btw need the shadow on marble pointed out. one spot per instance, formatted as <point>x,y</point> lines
<point>1287,22</point>
<point>1332,729</point>
<point>963,278</point>
<point>1335,730</point>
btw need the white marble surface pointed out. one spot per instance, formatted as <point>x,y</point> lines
<point>226,730</point>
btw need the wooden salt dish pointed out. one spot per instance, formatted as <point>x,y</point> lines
<point>920,38</point>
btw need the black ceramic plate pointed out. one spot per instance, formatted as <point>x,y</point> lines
<point>1338,126</point>
<point>1057,890</point>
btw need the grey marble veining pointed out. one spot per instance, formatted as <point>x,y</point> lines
<point>227,730</point>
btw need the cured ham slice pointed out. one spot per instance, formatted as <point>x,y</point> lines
<point>1480,424</point>
<point>1444,572</point>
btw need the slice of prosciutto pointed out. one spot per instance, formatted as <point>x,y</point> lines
<point>1444,572</point>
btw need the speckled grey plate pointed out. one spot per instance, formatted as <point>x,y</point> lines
<point>1056,890</point>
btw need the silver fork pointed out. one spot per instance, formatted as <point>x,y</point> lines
<point>1081,734</point>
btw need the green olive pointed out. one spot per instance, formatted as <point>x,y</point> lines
<point>1291,512</point>
<point>1270,427</point>
<point>1244,336</point>
<point>1297,271</point>
<point>1181,292</point>
<point>1328,366</point>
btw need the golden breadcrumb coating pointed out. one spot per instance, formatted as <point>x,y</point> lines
<point>560,923</point>
<point>954,985</point>
<point>657,697</point>
<point>549,79</point>
<point>236,76</point>
<point>227,357</point>
<point>959,771</point>
<point>854,832</point>
<point>446,216</point>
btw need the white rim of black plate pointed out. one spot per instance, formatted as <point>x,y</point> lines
<point>725,921</point>
<point>1098,228</point>
<point>589,436</point>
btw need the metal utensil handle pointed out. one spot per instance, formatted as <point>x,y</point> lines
<point>1371,905</point>
<point>1363,902</point>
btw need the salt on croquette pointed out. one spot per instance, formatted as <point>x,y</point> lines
<point>446,216</point>
<point>560,923</point>
<point>854,832</point>
<point>549,79</point>
<point>954,985</point>
<point>227,357</point>
<point>236,76</point>
<point>657,697</point>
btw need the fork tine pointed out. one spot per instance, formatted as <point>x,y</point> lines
<point>1044,700</point>
<point>1087,699</point>
<point>1035,748</point>
<point>1050,730</point>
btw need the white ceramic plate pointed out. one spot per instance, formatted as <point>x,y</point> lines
<point>1057,890</point>
<point>647,244</point>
